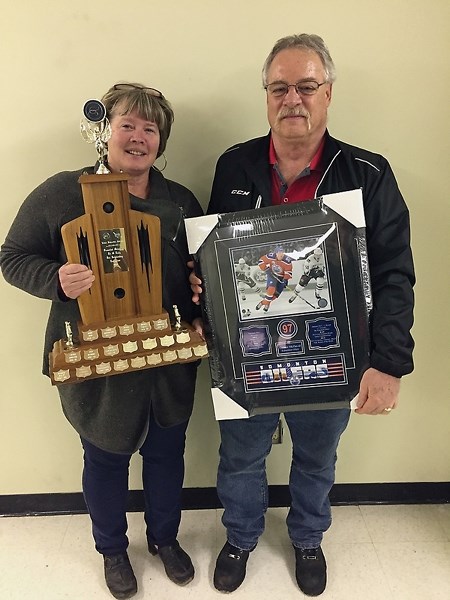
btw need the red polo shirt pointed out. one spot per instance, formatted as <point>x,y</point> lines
<point>305,184</point>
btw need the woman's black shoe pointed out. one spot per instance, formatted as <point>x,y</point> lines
<point>176,561</point>
<point>119,576</point>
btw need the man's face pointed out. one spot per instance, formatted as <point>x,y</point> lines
<point>296,117</point>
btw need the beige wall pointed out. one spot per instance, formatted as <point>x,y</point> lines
<point>391,96</point>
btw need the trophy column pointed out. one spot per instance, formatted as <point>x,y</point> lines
<point>121,246</point>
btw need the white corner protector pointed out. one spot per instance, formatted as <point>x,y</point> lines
<point>348,205</point>
<point>353,402</point>
<point>198,229</point>
<point>225,407</point>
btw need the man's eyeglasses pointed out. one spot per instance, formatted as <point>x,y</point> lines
<point>303,88</point>
<point>148,90</point>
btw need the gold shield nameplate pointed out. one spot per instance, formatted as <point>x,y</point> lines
<point>62,375</point>
<point>183,337</point>
<point>83,371</point>
<point>109,332</point>
<point>170,355</point>
<point>184,353</point>
<point>111,350</point>
<point>154,359</point>
<point>126,329</point>
<point>103,368</point>
<point>166,340</point>
<point>90,335</point>
<point>130,347</point>
<point>138,362</point>
<point>160,324</point>
<point>149,343</point>
<point>120,365</point>
<point>73,357</point>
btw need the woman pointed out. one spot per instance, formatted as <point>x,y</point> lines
<point>146,411</point>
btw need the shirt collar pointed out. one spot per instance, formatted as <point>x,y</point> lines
<point>315,162</point>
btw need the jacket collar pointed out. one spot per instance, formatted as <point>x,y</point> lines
<point>256,162</point>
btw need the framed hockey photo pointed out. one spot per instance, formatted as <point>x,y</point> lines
<point>286,303</point>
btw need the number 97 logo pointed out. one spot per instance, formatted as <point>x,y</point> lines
<point>287,328</point>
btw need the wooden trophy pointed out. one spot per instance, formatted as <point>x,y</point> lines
<point>123,324</point>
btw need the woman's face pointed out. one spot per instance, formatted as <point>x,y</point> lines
<point>133,145</point>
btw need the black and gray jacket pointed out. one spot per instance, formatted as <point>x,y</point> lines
<point>243,181</point>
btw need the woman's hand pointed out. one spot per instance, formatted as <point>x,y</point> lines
<point>75,279</point>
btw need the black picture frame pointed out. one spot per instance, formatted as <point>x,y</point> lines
<point>278,343</point>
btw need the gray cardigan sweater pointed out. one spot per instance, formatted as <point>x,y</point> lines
<point>111,412</point>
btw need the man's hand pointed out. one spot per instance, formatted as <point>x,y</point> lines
<point>195,284</point>
<point>197,324</point>
<point>378,393</point>
<point>75,279</point>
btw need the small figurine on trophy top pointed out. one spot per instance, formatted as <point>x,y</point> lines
<point>96,129</point>
<point>177,326</point>
<point>69,336</point>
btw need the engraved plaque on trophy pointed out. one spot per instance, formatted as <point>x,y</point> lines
<point>124,326</point>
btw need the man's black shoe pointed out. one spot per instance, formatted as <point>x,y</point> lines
<point>119,576</point>
<point>230,568</point>
<point>310,570</point>
<point>176,561</point>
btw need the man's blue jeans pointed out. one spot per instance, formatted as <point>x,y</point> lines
<point>242,483</point>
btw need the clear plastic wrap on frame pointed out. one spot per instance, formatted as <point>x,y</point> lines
<point>286,304</point>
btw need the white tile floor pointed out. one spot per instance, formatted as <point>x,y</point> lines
<point>373,553</point>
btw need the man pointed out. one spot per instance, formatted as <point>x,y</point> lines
<point>278,268</point>
<point>244,278</point>
<point>296,161</point>
<point>313,268</point>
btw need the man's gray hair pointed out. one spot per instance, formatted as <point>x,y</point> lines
<point>303,41</point>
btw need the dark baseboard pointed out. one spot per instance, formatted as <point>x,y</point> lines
<point>342,494</point>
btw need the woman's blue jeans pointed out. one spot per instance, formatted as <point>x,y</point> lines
<point>242,482</point>
<point>105,489</point>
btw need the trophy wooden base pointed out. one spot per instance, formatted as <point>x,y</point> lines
<point>122,346</point>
